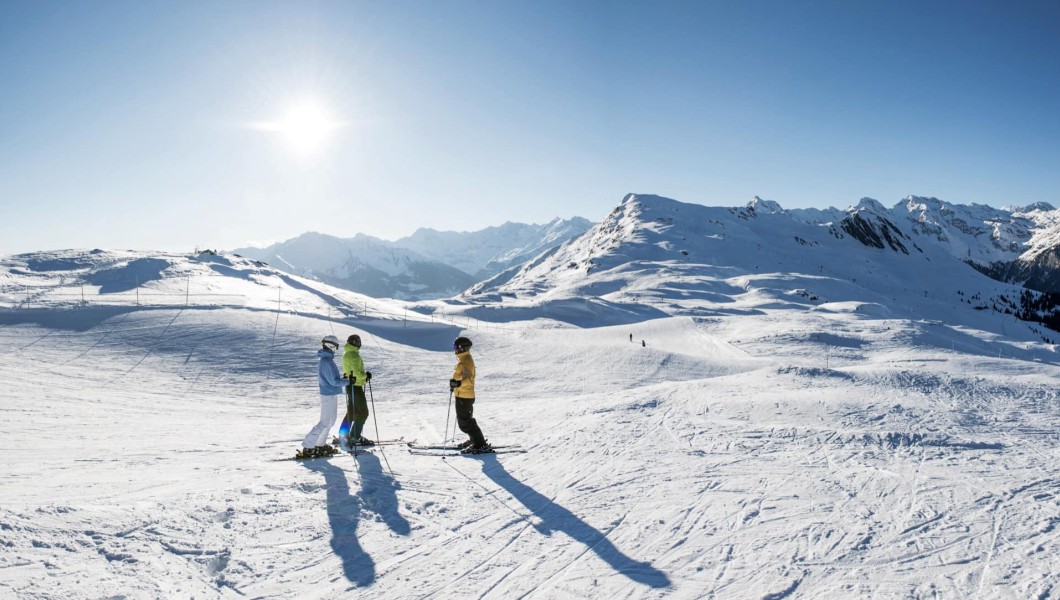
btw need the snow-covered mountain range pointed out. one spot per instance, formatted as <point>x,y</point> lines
<point>486,252</point>
<point>426,264</point>
<point>656,254</point>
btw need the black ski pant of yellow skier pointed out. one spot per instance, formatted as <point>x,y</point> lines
<point>465,408</point>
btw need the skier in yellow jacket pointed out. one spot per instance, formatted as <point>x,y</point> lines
<point>463,386</point>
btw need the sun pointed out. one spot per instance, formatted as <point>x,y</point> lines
<point>305,128</point>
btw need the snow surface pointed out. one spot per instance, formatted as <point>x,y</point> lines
<point>767,440</point>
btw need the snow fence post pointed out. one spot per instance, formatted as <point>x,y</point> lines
<point>82,294</point>
<point>187,292</point>
<point>137,290</point>
<point>405,318</point>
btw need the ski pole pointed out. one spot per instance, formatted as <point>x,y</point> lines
<point>376,421</point>
<point>445,431</point>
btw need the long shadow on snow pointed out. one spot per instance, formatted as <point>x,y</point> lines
<point>128,276</point>
<point>582,312</point>
<point>344,514</point>
<point>79,319</point>
<point>557,518</point>
<point>328,298</point>
<point>378,495</point>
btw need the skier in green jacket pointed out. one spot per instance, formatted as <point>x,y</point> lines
<point>356,402</point>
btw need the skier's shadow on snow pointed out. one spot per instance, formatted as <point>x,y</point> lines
<point>557,518</point>
<point>344,514</point>
<point>379,494</point>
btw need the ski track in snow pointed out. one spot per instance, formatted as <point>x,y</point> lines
<point>153,432</point>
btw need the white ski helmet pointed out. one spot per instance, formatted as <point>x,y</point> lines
<point>330,340</point>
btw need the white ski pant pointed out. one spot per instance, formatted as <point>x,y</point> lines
<point>318,436</point>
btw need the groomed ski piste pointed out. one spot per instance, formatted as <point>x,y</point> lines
<point>775,448</point>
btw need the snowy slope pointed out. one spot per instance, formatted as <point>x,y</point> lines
<point>656,256</point>
<point>752,441</point>
<point>130,280</point>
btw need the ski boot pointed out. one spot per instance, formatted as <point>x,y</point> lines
<point>483,448</point>
<point>466,444</point>
<point>325,450</point>
<point>305,453</point>
<point>362,441</point>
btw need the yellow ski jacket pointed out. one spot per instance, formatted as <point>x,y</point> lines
<point>465,374</point>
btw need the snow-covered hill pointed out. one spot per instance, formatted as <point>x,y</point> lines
<point>427,264</point>
<point>654,255</point>
<point>761,417</point>
<point>70,280</point>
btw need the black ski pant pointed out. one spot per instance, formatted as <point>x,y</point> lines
<point>356,411</point>
<point>465,408</point>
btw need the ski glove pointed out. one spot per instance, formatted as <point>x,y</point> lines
<point>454,383</point>
<point>367,375</point>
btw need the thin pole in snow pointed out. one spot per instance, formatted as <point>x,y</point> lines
<point>376,420</point>
<point>82,294</point>
<point>406,318</point>
<point>448,411</point>
<point>137,291</point>
<point>187,292</point>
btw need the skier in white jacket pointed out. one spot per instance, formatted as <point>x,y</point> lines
<point>331,383</point>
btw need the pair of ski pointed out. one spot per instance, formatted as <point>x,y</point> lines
<point>400,440</point>
<point>449,450</point>
<point>355,451</point>
<point>442,450</point>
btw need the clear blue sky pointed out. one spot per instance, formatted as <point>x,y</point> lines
<point>132,124</point>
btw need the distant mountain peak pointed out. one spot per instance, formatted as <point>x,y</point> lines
<point>427,264</point>
<point>768,207</point>
<point>1030,208</point>
<point>870,205</point>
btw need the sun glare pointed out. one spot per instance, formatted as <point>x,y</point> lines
<point>305,128</point>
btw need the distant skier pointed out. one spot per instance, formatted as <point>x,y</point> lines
<point>356,402</point>
<point>463,386</point>
<point>330,384</point>
<point>642,344</point>
<point>631,337</point>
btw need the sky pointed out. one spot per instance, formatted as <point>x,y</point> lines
<point>175,125</point>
